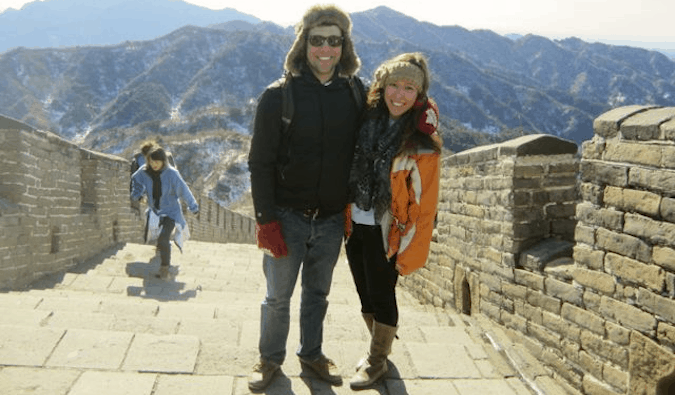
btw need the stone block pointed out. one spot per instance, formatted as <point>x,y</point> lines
<point>583,318</point>
<point>545,302</point>
<point>631,152</point>
<point>566,292</point>
<point>644,126</point>
<point>606,350</point>
<point>593,386</point>
<point>604,173</point>
<point>169,354</point>
<point>584,234</point>
<point>623,244</point>
<point>668,130</point>
<point>656,304</point>
<point>656,232</point>
<point>627,315</point>
<point>528,279</point>
<point>665,333</point>
<point>592,215</point>
<point>649,364</point>
<point>588,257</point>
<point>636,272</point>
<point>615,377</point>
<point>599,281</point>
<point>667,209</point>
<point>655,180</point>
<point>607,124</point>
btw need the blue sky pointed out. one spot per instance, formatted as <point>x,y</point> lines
<point>646,23</point>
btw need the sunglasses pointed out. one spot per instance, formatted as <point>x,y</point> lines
<point>333,41</point>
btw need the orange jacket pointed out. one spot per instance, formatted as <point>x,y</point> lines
<point>408,226</point>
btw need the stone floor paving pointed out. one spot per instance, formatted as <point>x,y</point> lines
<point>109,327</point>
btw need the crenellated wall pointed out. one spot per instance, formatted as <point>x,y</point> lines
<point>574,256</point>
<point>61,204</point>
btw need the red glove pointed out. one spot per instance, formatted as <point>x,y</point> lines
<point>270,239</point>
<point>428,120</point>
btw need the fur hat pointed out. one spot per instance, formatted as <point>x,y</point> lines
<point>323,15</point>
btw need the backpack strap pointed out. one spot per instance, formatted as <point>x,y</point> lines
<point>358,91</point>
<point>287,106</point>
<point>287,110</point>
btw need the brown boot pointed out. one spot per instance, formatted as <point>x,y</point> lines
<point>376,365</point>
<point>369,319</point>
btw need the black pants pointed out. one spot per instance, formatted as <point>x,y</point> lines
<point>374,275</point>
<point>164,240</point>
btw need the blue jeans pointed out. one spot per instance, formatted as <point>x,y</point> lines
<point>313,247</point>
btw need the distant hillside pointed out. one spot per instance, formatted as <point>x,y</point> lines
<point>196,87</point>
<point>69,23</point>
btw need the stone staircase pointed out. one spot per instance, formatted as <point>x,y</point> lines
<point>109,327</point>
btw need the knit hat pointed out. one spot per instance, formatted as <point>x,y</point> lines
<point>323,15</point>
<point>393,71</point>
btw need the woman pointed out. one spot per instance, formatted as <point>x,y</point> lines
<point>164,188</point>
<point>394,185</point>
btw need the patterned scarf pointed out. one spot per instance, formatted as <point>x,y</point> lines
<point>369,180</point>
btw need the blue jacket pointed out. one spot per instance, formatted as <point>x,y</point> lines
<point>174,189</point>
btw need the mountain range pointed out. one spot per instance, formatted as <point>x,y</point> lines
<point>195,88</point>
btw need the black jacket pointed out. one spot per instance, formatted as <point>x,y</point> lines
<point>314,171</point>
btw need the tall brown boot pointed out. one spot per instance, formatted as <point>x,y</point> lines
<point>376,365</point>
<point>369,319</point>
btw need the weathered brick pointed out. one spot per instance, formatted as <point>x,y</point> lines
<point>615,377</point>
<point>633,271</point>
<point>528,279</point>
<point>604,349</point>
<point>592,215</point>
<point>590,363</point>
<point>627,315</point>
<point>514,291</point>
<point>544,335</point>
<point>554,323</point>
<point>584,234</point>
<point>514,322</point>
<point>548,303</point>
<point>630,152</point>
<point>617,333</point>
<point>665,333</point>
<point>566,292</point>
<point>667,209</point>
<point>664,257</point>
<point>657,181</point>
<point>596,280</point>
<point>604,173</point>
<point>583,318</point>
<point>623,244</point>
<point>653,303</point>
<point>657,232</point>
<point>531,313</point>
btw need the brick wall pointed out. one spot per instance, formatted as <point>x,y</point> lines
<point>61,204</point>
<point>573,257</point>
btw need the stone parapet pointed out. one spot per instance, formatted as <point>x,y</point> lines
<point>61,204</point>
<point>572,254</point>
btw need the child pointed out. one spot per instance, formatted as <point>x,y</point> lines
<point>164,187</point>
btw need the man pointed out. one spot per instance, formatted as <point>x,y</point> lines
<point>299,186</point>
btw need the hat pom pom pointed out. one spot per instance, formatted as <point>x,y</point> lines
<point>428,119</point>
